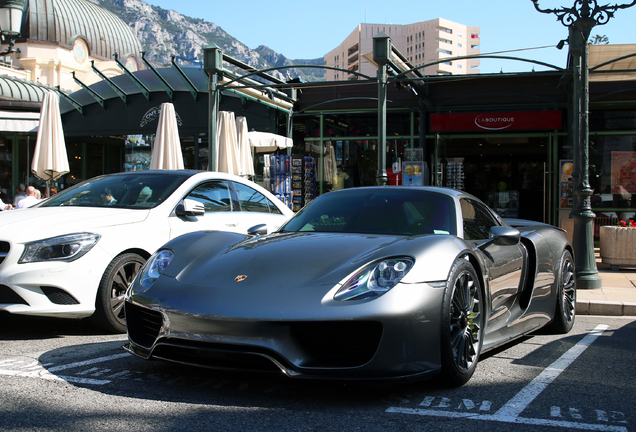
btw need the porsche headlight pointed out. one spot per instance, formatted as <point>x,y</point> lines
<point>155,267</point>
<point>63,248</point>
<point>375,279</point>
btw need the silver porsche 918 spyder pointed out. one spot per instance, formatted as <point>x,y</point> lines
<point>365,283</point>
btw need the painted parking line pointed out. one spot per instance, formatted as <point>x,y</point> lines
<point>36,370</point>
<point>511,411</point>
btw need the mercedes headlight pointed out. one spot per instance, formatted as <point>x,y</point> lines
<point>65,248</point>
<point>375,279</point>
<point>155,267</point>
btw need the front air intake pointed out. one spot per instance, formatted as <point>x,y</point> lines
<point>143,324</point>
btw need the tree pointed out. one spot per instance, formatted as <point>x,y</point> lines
<point>599,40</point>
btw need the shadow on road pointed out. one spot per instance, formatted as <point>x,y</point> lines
<point>22,327</point>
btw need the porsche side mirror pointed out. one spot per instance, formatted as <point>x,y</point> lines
<point>260,229</point>
<point>190,207</point>
<point>502,236</point>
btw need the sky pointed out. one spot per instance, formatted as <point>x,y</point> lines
<point>305,30</point>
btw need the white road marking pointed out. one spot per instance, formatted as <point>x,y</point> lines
<point>44,374</point>
<point>521,400</point>
<point>88,362</point>
<point>510,412</point>
<point>35,370</point>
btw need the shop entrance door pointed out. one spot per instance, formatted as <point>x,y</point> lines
<point>507,172</point>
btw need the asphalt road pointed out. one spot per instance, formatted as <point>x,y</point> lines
<point>64,375</point>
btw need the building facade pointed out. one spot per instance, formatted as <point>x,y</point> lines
<point>62,45</point>
<point>421,43</point>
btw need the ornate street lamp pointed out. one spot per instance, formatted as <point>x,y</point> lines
<point>382,56</point>
<point>10,22</point>
<point>580,19</point>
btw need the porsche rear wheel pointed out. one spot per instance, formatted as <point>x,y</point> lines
<point>565,311</point>
<point>462,324</point>
<point>109,304</point>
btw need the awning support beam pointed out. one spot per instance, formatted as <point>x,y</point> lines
<point>161,79</point>
<point>193,90</point>
<point>142,88</point>
<point>98,98</point>
<point>70,100</point>
<point>115,87</point>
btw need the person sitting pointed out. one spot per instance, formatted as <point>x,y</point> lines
<point>144,195</point>
<point>107,197</point>
<point>52,191</point>
<point>21,194</point>
<point>30,199</point>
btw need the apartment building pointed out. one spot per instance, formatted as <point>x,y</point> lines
<point>421,43</point>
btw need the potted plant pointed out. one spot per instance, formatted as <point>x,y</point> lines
<point>618,244</point>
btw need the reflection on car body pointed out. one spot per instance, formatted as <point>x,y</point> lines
<point>365,283</point>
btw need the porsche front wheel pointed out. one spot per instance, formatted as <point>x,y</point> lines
<point>565,311</point>
<point>109,304</point>
<point>462,324</point>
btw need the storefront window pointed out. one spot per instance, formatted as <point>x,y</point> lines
<point>612,121</point>
<point>6,156</point>
<point>137,152</point>
<point>506,172</point>
<point>613,174</point>
<point>398,123</point>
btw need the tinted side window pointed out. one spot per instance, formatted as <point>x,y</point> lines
<point>251,200</point>
<point>214,195</point>
<point>477,220</point>
<point>273,209</point>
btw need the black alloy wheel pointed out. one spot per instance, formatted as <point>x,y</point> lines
<point>109,304</point>
<point>462,324</point>
<point>565,311</point>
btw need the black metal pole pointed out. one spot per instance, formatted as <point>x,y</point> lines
<point>213,66</point>
<point>587,276</point>
<point>382,49</point>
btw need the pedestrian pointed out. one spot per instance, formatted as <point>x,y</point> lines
<point>20,194</point>
<point>30,199</point>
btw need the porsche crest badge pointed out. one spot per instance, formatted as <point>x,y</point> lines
<point>240,278</point>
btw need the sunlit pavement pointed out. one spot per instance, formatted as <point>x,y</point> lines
<point>617,297</point>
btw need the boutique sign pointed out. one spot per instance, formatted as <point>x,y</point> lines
<point>496,121</point>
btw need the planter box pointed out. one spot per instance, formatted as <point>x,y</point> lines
<point>618,246</point>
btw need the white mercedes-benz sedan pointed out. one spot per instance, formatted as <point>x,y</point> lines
<point>75,254</point>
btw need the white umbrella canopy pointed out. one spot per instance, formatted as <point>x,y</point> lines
<point>246,161</point>
<point>226,137</point>
<point>50,160</point>
<point>267,142</point>
<point>166,150</point>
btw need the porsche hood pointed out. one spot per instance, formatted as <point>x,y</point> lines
<point>277,261</point>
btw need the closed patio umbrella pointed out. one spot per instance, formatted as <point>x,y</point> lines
<point>268,142</point>
<point>246,161</point>
<point>228,146</point>
<point>166,150</point>
<point>50,160</point>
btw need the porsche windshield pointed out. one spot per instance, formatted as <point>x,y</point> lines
<point>408,212</point>
<point>134,190</point>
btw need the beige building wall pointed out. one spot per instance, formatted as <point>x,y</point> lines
<point>53,65</point>
<point>421,43</point>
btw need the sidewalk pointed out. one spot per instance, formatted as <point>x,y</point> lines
<point>617,297</point>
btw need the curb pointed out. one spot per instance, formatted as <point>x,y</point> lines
<point>609,308</point>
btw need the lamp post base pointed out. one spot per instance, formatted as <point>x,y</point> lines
<point>587,276</point>
<point>588,280</point>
